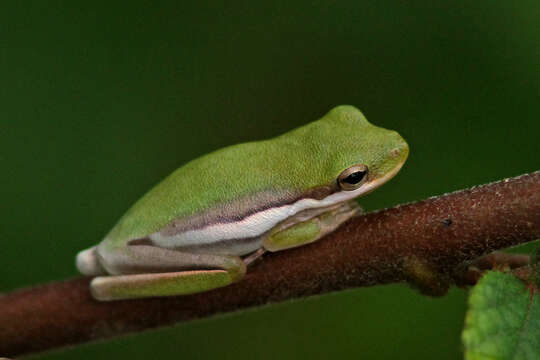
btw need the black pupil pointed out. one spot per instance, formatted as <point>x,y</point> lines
<point>355,177</point>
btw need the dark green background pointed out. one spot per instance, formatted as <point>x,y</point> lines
<point>100,101</point>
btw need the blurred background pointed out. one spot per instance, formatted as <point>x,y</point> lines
<point>100,101</point>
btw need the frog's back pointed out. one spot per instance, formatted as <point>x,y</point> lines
<point>208,183</point>
<point>241,178</point>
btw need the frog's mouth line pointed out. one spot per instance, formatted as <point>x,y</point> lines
<point>258,223</point>
<point>374,184</point>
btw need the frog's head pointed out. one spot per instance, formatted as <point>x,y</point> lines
<point>356,156</point>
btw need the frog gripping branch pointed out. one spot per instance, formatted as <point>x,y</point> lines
<point>199,228</point>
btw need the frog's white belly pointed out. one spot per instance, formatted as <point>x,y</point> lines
<point>246,235</point>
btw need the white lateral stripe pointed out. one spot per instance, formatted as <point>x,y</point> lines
<point>259,223</point>
<point>251,226</point>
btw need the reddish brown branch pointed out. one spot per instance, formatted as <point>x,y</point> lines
<point>424,241</point>
<point>471,272</point>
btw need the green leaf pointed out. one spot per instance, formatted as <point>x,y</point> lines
<point>503,320</point>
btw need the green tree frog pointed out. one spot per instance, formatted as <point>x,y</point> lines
<point>202,225</point>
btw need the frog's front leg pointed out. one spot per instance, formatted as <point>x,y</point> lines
<point>157,271</point>
<point>297,231</point>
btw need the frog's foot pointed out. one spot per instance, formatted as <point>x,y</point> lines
<point>160,275</point>
<point>292,234</point>
<point>248,260</point>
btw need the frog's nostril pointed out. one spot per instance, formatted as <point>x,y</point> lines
<point>399,151</point>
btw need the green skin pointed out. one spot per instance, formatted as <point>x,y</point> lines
<point>244,178</point>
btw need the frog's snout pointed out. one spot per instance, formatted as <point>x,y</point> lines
<point>400,150</point>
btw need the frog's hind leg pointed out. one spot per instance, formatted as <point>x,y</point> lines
<point>292,233</point>
<point>164,272</point>
<point>107,288</point>
<point>88,264</point>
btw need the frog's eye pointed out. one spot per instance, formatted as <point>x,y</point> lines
<point>353,177</point>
